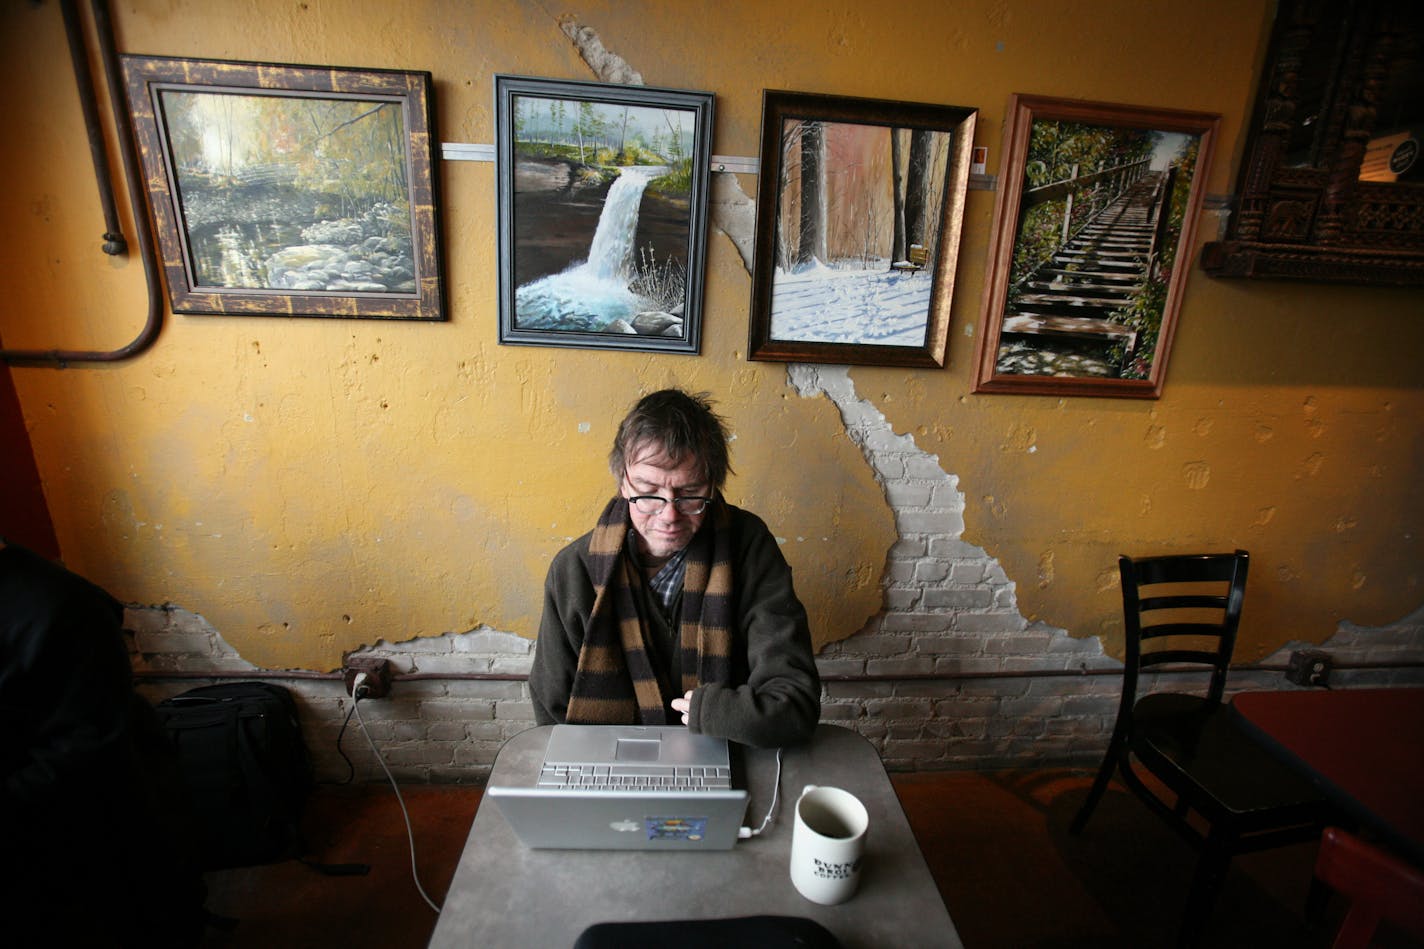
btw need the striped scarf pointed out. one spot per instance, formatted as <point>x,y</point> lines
<point>615,682</point>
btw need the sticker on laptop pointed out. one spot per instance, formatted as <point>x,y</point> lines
<point>676,828</point>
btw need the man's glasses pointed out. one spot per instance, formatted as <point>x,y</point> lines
<point>654,503</point>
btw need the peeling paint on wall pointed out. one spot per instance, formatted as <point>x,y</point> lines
<point>1045,569</point>
<point>730,208</point>
<point>1196,475</point>
<point>606,65</point>
<point>460,699</point>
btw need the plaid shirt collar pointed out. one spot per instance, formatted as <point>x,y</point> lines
<point>667,581</point>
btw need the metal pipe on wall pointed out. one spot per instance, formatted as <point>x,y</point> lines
<point>61,358</point>
<point>114,241</point>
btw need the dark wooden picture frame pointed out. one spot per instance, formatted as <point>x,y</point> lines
<point>1087,264</point>
<point>860,206</point>
<point>283,190</point>
<point>602,213</point>
<point>1331,183</point>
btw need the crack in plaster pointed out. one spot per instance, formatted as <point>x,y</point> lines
<point>867,426</point>
<point>733,211</point>
<point>606,65</point>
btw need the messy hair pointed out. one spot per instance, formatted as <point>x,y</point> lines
<point>680,426</point>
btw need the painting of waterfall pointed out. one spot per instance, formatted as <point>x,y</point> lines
<point>287,190</point>
<point>602,213</point>
<point>859,207</point>
<point>1092,243</point>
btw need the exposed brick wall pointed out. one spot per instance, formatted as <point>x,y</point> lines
<point>1013,693</point>
<point>446,729</point>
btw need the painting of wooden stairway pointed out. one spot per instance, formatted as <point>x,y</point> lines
<point>1060,318</point>
<point>1091,250</point>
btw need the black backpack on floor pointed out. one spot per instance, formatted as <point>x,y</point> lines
<point>241,755</point>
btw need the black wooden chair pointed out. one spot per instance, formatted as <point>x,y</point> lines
<point>1215,785</point>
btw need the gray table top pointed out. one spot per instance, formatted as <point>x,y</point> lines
<point>506,895</point>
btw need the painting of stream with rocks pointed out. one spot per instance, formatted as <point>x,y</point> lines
<point>292,193</point>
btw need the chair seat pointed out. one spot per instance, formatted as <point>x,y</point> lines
<point>1212,782</point>
<point>1194,745</point>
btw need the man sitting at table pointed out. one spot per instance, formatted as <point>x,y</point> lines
<point>677,603</point>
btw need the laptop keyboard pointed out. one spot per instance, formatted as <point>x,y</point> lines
<point>635,777</point>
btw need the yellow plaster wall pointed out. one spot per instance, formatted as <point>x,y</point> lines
<point>311,485</point>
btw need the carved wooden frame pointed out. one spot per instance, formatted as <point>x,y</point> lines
<point>1319,221</point>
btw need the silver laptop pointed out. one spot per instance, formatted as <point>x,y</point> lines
<point>627,787</point>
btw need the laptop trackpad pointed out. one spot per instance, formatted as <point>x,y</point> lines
<point>637,749</point>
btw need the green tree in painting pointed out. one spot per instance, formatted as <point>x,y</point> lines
<point>1058,152</point>
<point>1144,314</point>
<point>351,149</point>
<point>589,129</point>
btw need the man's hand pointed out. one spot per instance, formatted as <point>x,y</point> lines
<point>683,705</point>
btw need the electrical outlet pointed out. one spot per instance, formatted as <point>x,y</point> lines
<point>1309,667</point>
<point>377,684</point>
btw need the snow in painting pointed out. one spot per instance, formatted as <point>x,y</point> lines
<point>854,200</point>
<point>868,306</point>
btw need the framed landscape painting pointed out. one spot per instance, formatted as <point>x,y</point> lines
<point>602,213</point>
<point>859,210</point>
<point>1091,246</point>
<point>290,190</point>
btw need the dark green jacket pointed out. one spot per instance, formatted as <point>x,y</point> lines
<point>774,697</point>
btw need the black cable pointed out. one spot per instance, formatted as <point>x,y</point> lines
<point>350,768</point>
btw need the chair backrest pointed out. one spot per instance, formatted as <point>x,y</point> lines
<point>1182,609</point>
<point>1379,886</point>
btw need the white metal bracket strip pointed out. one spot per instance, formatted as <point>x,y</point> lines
<point>463,151</point>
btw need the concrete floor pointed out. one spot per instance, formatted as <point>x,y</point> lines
<point>996,842</point>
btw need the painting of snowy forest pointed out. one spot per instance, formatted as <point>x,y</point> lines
<point>858,221</point>
<point>602,213</point>
<point>289,190</point>
<point>1097,207</point>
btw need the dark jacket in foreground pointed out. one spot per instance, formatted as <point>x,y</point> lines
<point>92,813</point>
<point>774,696</point>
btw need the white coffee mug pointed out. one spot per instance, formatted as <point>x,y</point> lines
<point>827,844</point>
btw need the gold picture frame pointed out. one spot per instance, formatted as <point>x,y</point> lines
<point>860,205</point>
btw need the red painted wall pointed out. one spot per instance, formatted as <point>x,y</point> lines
<point>24,517</point>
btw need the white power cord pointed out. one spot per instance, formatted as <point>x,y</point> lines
<point>744,832</point>
<point>358,690</point>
